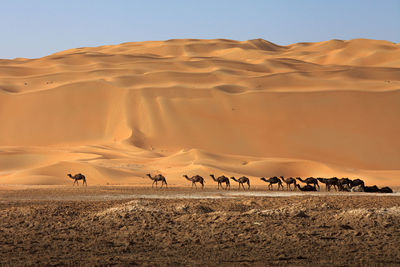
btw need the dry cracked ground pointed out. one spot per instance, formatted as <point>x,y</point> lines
<point>142,226</point>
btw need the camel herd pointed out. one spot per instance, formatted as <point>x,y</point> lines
<point>343,184</point>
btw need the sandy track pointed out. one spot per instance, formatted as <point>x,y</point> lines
<point>82,226</point>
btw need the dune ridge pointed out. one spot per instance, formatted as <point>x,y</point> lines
<point>193,106</point>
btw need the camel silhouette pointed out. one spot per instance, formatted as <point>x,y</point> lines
<point>375,189</point>
<point>157,178</point>
<point>307,188</point>
<point>357,182</point>
<point>195,179</point>
<point>242,180</point>
<point>385,190</point>
<point>272,180</point>
<point>309,180</point>
<point>329,182</point>
<point>289,181</point>
<point>220,180</point>
<point>78,177</point>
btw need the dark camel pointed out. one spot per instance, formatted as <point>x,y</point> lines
<point>241,181</point>
<point>157,178</point>
<point>309,180</point>
<point>195,179</point>
<point>345,181</point>
<point>329,182</point>
<point>385,190</point>
<point>220,180</point>
<point>272,180</point>
<point>375,189</point>
<point>288,182</point>
<point>357,182</point>
<point>307,188</point>
<point>344,184</point>
<point>371,189</point>
<point>78,177</point>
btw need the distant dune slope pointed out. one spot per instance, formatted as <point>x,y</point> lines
<point>250,108</point>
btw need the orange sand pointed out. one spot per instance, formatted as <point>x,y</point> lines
<point>191,107</point>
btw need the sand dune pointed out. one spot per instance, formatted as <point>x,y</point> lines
<point>193,106</point>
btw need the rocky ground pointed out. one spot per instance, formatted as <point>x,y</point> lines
<point>144,226</point>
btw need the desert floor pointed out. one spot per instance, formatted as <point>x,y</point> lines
<point>49,225</point>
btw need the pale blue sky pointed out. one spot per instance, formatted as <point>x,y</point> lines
<point>37,28</point>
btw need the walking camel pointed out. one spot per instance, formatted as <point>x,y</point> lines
<point>309,180</point>
<point>157,178</point>
<point>329,182</point>
<point>78,177</point>
<point>272,180</point>
<point>195,179</point>
<point>288,182</point>
<point>344,184</point>
<point>242,180</point>
<point>220,180</point>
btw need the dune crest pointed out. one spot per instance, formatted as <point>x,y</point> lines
<point>252,108</point>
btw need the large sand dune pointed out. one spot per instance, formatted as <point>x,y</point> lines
<point>249,108</point>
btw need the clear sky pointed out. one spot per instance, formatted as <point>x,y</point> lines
<point>35,28</point>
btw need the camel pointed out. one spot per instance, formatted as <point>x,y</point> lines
<point>357,182</point>
<point>241,181</point>
<point>344,181</point>
<point>309,180</point>
<point>385,190</point>
<point>288,182</point>
<point>329,182</point>
<point>157,178</point>
<point>375,189</point>
<point>220,180</point>
<point>78,177</point>
<point>195,179</point>
<point>371,189</point>
<point>307,188</point>
<point>272,180</point>
<point>344,184</point>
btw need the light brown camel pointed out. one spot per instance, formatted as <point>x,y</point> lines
<point>288,182</point>
<point>272,180</point>
<point>157,178</point>
<point>309,180</point>
<point>242,180</point>
<point>195,179</point>
<point>78,177</point>
<point>220,180</point>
